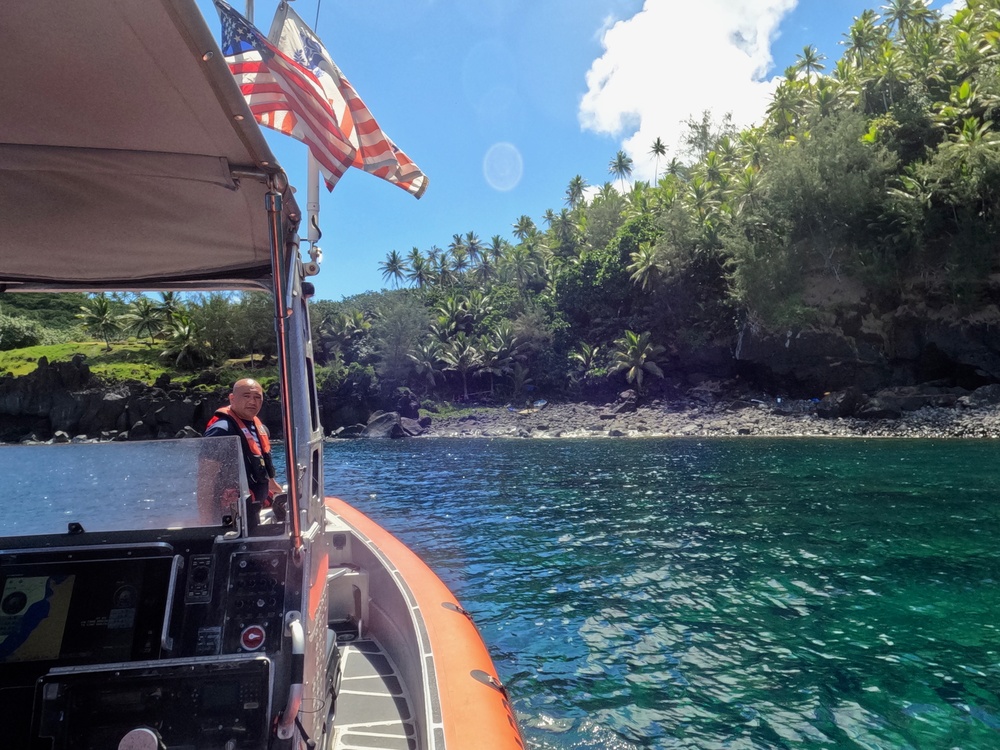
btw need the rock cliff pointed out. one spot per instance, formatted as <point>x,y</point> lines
<point>854,340</point>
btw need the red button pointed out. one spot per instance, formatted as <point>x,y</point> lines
<point>252,637</point>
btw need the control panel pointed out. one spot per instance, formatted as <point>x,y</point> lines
<point>195,705</point>
<point>255,613</point>
<point>199,579</point>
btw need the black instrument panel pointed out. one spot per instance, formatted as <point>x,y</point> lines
<point>74,620</point>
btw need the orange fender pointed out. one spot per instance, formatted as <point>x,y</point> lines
<point>476,712</point>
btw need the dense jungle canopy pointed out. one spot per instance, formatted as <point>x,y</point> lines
<point>879,169</point>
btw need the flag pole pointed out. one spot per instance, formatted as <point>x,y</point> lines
<point>312,216</point>
<point>312,199</point>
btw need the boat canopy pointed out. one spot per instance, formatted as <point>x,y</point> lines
<point>133,161</point>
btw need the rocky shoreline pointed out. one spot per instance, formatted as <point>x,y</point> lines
<point>61,402</point>
<point>720,419</point>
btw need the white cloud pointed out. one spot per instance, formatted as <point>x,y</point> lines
<point>953,7</point>
<point>672,61</point>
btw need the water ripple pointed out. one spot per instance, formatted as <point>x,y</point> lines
<point>714,594</point>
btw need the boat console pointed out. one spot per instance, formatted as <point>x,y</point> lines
<point>183,635</point>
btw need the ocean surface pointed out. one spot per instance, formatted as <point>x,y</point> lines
<point>669,593</point>
<point>693,593</point>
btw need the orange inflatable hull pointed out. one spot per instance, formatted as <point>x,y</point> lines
<point>476,713</point>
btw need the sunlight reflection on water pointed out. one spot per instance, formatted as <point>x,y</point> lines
<point>681,593</point>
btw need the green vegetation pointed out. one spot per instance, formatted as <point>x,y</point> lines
<point>141,337</point>
<point>882,168</point>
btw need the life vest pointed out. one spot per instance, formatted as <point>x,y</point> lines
<point>257,456</point>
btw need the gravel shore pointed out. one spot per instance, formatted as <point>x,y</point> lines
<point>665,419</point>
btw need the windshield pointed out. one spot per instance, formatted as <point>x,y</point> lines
<point>121,486</point>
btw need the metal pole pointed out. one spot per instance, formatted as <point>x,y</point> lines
<point>273,203</point>
<point>312,200</point>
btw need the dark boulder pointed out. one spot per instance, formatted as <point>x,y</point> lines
<point>408,405</point>
<point>173,416</point>
<point>987,395</point>
<point>141,431</point>
<point>102,411</point>
<point>383,425</point>
<point>411,427</point>
<point>626,407</point>
<point>875,408</point>
<point>839,404</point>
<point>911,398</point>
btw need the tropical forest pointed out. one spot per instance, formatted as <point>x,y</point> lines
<point>850,238</point>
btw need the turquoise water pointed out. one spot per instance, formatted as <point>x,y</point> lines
<point>714,594</point>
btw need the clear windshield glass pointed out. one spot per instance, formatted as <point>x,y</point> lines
<point>120,486</point>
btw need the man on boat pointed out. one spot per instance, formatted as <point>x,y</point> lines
<point>240,418</point>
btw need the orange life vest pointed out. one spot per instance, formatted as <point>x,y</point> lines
<point>256,455</point>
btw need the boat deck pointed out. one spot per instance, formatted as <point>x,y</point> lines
<point>372,710</point>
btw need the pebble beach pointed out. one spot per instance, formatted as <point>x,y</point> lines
<point>721,419</point>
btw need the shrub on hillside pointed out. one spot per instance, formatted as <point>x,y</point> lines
<point>17,333</point>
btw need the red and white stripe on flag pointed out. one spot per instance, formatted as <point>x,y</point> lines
<point>376,153</point>
<point>284,95</point>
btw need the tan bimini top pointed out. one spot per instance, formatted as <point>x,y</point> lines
<point>128,157</point>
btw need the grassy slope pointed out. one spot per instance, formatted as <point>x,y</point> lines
<point>128,360</point>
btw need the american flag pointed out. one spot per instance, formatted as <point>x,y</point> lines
<point>376,153</point>
<point>283,95</point>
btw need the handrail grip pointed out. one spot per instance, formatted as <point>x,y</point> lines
<point>286,722</point>
<point>166,642</point>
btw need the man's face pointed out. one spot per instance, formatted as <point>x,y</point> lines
<point>246,399</point>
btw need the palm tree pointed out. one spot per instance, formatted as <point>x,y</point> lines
<point>474,247</point>
<point>144,318</point>
<point>563,234</point>
<point>747,189</point>
<point>100,319</point>
<point>339,330</point>
<point>586,359</point>
<point>645,266</point>
<point>809,62</point>
<point>461,355</point>
<point>420,272</point>
<point>621,167</point>
<point>783,111</point>
<point>457,243</point>
<point>499,350</point>
<point>459,259</point>
<point>524,227</point>
<point>659,149</point>
<point>443,273</point>
<point>169,305</point>
<point>453,315</point>
<point>607,192</point>
<point>574,193</point>
<point>185,345</point>
<point>864,37</point>
<point>426,359</point>
<point>825,97</point>
<point>497,247</point>
<point>477,306</point>
<point>393,267</point>
<point>485,272</point>
<point>903,15</point>
<point>520,266</point>
<point>635,354</point>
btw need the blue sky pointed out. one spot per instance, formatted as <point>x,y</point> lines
<point>502,102</point>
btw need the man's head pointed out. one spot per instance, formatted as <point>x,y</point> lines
<point>247,398</point>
